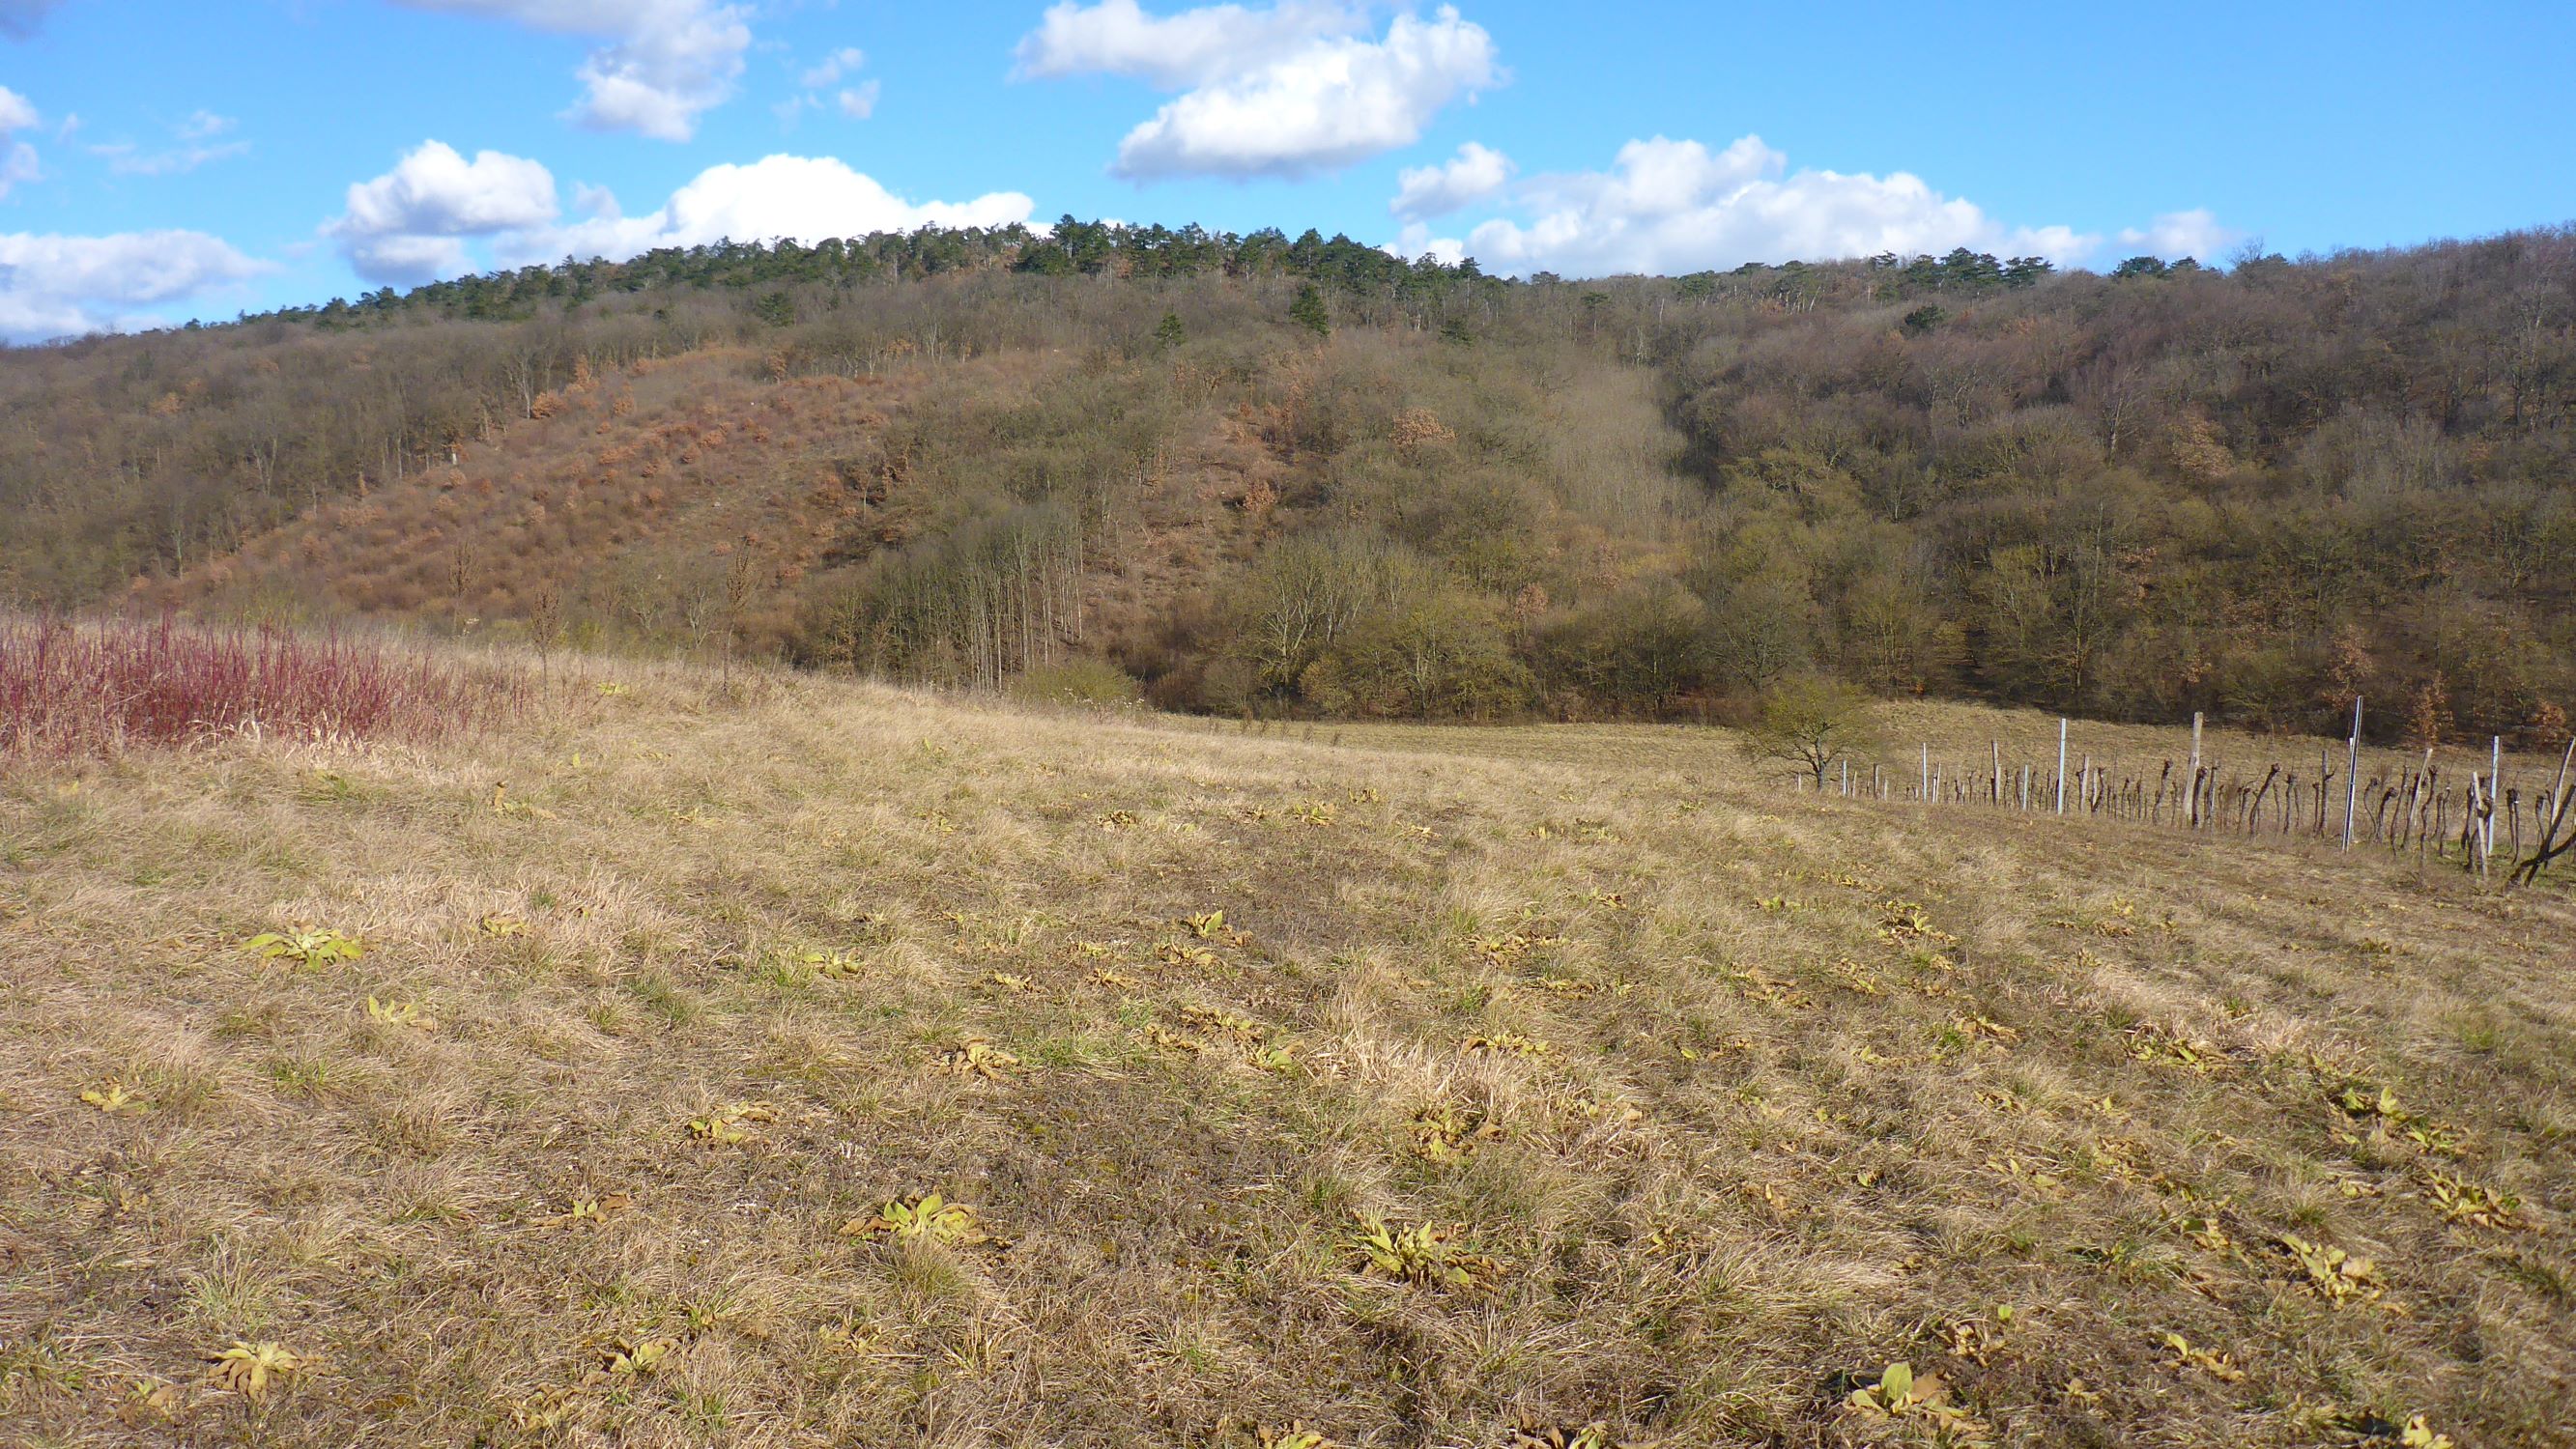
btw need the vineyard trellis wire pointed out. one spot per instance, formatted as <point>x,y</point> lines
<point>2489,821</point>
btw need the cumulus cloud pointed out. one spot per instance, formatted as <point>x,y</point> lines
<point>1417,240</point>
<point>665,62</point>
<point>21,17</point>
<point>56,286</point>
<point>407,260</point>
<point>1671,206</point>
<point>592,200</point>
<point>2179,234</point>
<point>1299,88</point>
<point>409,224</point>
<point>435,189</point>
<point>419,221</point>
<point>17,158</point>
<point>808,198</point>
<point>1475,173</point>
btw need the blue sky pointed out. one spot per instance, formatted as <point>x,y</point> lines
<point>162,160</point>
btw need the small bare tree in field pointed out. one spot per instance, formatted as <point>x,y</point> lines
<point>1812,723</point>
<point>739,582</point>
<point>545,631</point>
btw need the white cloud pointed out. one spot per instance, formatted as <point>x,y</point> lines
<point>667,61</point>
<point>858,102</point>
<point>1670,207</point>
<point>1416,240</point>
<point>17,158</point>
<point>407,225</point>
<point>1289,91</point>
<point>834,66</point>
<point>1195,47</point>
<point>2179,234</point>
<point>55,286</point>
<point>1474,173</point>
<point>436,190</point>
<point>415,222</point>
<point>197,146</point>
<point>127,159</point>
<point>809,198</point>
<point>407,259</point>
<point>592,200</point>
<point>203,125</point>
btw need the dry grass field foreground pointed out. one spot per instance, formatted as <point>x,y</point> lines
<point>1432,1087</point>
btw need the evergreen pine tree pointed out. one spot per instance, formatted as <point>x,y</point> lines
<point>1309,311</point>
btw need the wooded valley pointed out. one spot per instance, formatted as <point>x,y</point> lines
<point>1306,478</point>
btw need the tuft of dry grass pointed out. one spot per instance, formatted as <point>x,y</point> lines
<point>1433,1087</point>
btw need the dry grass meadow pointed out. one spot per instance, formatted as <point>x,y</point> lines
<point>1395,1087</point>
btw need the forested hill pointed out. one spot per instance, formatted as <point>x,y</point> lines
<point>1303,476</point>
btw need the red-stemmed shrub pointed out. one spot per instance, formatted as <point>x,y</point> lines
<point>98,688</point>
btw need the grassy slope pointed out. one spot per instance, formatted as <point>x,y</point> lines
<point>1770,1140</point>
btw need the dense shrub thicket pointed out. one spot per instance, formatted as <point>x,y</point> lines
<point>2254,491</point>
<point>97,688</point>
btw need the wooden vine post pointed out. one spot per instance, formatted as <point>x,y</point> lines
<point>2193,783</point>
<point>2061,764</point>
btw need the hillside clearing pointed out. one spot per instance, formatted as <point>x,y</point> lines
<point>1686,1106</point>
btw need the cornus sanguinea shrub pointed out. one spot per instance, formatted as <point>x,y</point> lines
<point>95,687</point>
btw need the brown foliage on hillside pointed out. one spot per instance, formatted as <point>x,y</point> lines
<point>2253,493</point>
